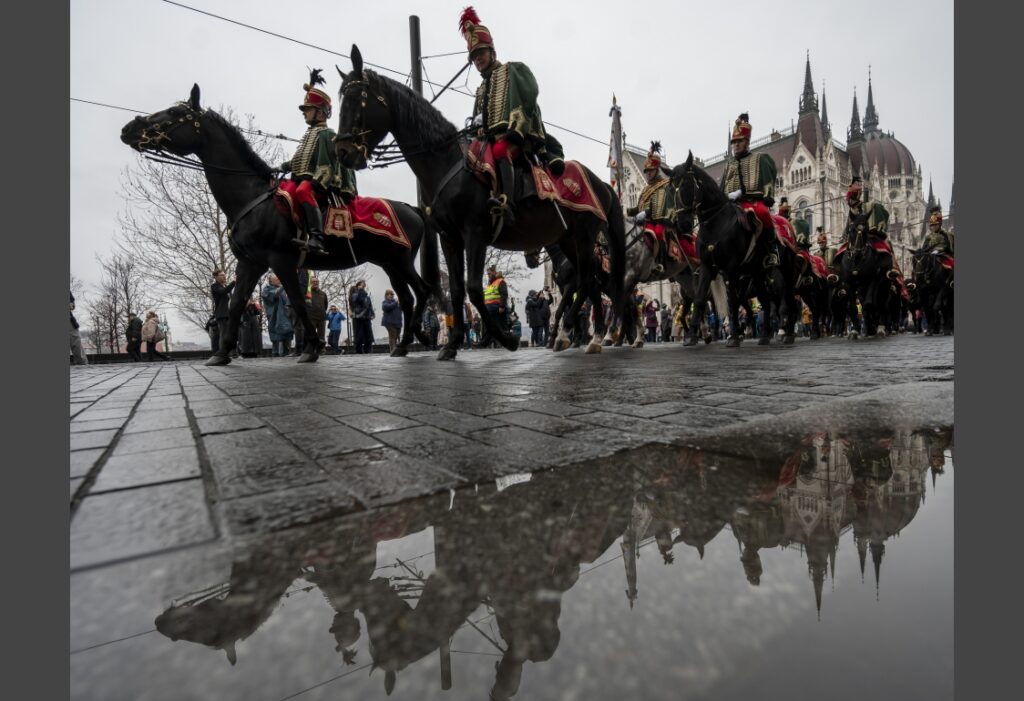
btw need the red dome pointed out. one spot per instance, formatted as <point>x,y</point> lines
<point>878,148</point>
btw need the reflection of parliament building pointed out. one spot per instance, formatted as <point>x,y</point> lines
<point>872,488</point>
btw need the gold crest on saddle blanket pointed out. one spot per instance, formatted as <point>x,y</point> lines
<point>572,186</point>
<point>339,222</point>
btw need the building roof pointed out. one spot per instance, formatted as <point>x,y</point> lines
<point>883,150</point>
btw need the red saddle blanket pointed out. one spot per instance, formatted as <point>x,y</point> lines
<point>879,244</point>
<point>571,189</point>
<point>785,232</point>
<point>371,214</point>
<point>689,249</point>
<point>818,266</point>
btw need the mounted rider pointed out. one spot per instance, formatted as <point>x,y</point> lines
<point>506,114</point>
<point>826,252</point>
<point>749,179</point>
<point>656,206</point>
<point>937,238</point>
<point>316,171</point>
<point>878,216</point>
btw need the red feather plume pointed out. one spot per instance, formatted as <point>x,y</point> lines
<point>468,14</point>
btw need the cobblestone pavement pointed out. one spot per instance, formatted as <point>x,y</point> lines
<point>170,456</point>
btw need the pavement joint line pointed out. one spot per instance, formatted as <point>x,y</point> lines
<point>94,471</point>
<point>142,556</point>
<point>205,466</point>
<point>133,487</point>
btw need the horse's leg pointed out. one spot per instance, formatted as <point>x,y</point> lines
<point>699,302</point>
<point>289,278</point>
<point>789,307</point>
<point>453,256</point>
<point>765,301</point>
<point>569,317</point>
<point>247,274</point>
<point>597,305</point>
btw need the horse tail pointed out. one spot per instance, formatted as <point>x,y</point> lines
<point>430,268</point>
<point>616,246</point>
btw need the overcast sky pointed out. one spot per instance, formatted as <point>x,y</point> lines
<point>682,71</point>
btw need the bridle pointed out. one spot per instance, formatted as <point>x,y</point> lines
<point>155,134</point>
<point>357,137</point>
<point>693,209</point>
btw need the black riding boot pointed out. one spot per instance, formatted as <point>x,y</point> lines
<point>501,205</point>
<point>315,228</point>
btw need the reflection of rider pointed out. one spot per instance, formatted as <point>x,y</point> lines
<point>315,168</point>
<point>506,112</point>
<point>656,206</point>
<point>750,177</point>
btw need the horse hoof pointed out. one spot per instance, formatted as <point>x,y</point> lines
<point>607,342</point>
<point>216,360</point>
<point>399,352</point>
<point>708,340</point>
<point>593,347</point>
<point>638,344</point>
<point>854,335</point>
<point>788,339</point>
<point>560,346</point>
<point>308,358</point>
<point>447,353</point>
<point>512,344</point>
<point>764,341</point>
<point>733,342</point>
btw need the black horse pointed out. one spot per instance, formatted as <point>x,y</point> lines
<point>728,243</point>
<point>865,275</point>
<point>933,283</point>
<point>373,106</point>
<point>261,236</point>
<point>814,292</point>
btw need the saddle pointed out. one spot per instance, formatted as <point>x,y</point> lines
<point>371,214</point>
<point>571,189</point>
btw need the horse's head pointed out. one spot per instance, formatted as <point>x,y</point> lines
<point>363,117</point>
<point>175,129</point>
<point>857,231</point>
<point>684,181</point>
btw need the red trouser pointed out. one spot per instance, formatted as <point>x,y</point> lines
<point>300,192</point>
<point>503,149</point>
<point>761,211</point>
<point>656,230</point>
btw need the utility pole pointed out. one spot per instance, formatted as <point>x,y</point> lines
<point>416,74</point>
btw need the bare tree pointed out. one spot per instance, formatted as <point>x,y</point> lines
<point>121,289</point>
<point>173,224</point>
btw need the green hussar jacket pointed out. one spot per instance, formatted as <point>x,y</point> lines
<point>878,216</point>
<point>316,159</point>
<point>507,99</point>
<point>753,173</point>
<point>659,201</point>
<point>803,232</point>
<point>941,239</point>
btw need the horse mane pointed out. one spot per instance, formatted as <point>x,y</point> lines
<point>234,136</point>
<point>411,107</point>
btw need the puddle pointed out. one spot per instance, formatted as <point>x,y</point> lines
<point>821,568</point>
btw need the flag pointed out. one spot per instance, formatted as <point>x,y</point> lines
<point>615,147</point>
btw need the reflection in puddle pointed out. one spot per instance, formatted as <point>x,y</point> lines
<point>493,563</point>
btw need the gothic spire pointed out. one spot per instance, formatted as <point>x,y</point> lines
<point>931,194</point>
<point>877,550</point>
<point>808,101</point>
<point>854,133</point>
<point>825,126</point>
<point>870,115</point>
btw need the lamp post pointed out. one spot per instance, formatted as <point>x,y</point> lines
<point>824,226</point>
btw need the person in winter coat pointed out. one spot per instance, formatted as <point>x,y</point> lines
<point>334,319</point>
<point>250,332</point>
<point>361,306</point>
<point>278,326</point>
<point>153,334</point>
<point>431,325</point>
<point>651,319</point>
<point>392,320</point>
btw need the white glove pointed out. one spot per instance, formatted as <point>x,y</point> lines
<point>478,121</point>
<point>735,194</point>
<point>640,216</point>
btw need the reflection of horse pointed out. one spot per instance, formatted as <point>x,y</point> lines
<point>261,237</point>
<point>933,283</point>
<point>731,244</point>
<point>863,276</point>
<point>372,106</point>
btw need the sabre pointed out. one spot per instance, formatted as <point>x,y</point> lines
<point>557,208</point>
<point>337,203</point>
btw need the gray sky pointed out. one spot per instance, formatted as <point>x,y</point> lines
<point>681,72</point>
